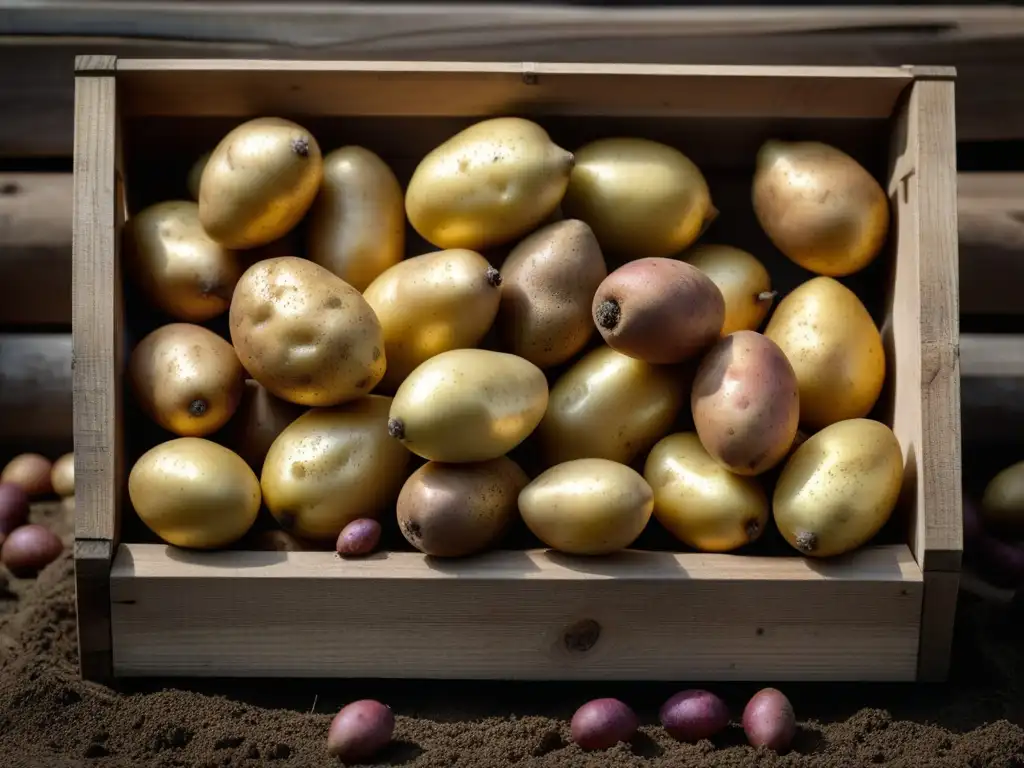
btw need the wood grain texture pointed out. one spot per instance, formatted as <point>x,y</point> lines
<point>92,590</point>
<point>938,621</point>
<point>983,43</point>
<point>35,249</point>
<point>529,615</point>
<point>35,392</point>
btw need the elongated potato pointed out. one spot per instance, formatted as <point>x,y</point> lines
<point>608,405</point>
<point>357,223</point>
<point>430,304</point>
<point>332,466</point>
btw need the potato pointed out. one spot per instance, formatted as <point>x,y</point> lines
<point>258,420</point>
<point>642,198</point>
<point>835,350</point>
<point>587,506</point>
<point>603,723</point>
<point>360,537</point>
<point>31,472</point>
<point>62,475</point>
<point>14,507</point>
<point>194,493</point>
<point>455,510</point>
<point>693,715</point>
<point>699,501</point>
<point>360,730</point>
<point>186,378</point>
<point>178,267</point>
<point>768,720</point>
<point>998,562</point>
<point>1002,504</point>
<point>357,222</point>
<point>259,182</point>
<point>487,185</point>
<point>305,334</point>
<point>195,174</point>
<point>659,310</point>
<point>278,541</point>
<point>839,488</point>
<point>743,280</point>
<point>30,548</point>
<point>431,304</point>
<point>609,406</point>
<point>468,405</point>
<point>332,466</point>
<point>548,284</point>
<point>746,403</point>
<point>819,206</point>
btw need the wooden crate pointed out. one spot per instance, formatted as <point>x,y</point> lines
<point>882,613</point>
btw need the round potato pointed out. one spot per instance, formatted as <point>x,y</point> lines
<point>743,280</point>
<point>548,284</point>
<point>746,403</point>
<point>699,501</point>
<point>468,405</point>
<point>62,476</point>
<point>332,466</point>
<point>194,493</point>
<point>835,349</point>
<point>186,378</point>
<point>430,304</point>
<point>305,334</point>
<point>259,182</point>
<point>487,185</point>
<point>587,506</point>
<point>455,510</point>
<point>608,405</point>
<point>839,488</point>
<point>1002,505</point>
<point>179,267</point>
<point>357,223</point>
<point>659,310</point>
<point>643,198</point>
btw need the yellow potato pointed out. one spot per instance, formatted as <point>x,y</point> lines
<point>839,488</point>
<point>31,471</point>
<point>548,284</point>
<point>1002,505</point>
<point>468,405</point>
<point>177,266</point>
<point>819,206</point>
<point>305,334</point>
<point>259,182</point>
<point>641,197</point>
<point>194,493</point>
<point>260,418</point>
<point>608,405</point>
<point>587,506</point>
<point>357,223</point>
<point>743,281</point>
<point>700,502</point>
<point>835,350</point>
<point>489,184</point>
<point>62,475</point>
<point>332,466</point>
<point>455,510</point>
<point>430,304</point>
<point>186,378</point>
<point>195,174</point>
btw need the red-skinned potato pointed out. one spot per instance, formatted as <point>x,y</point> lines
<point>360,730</point>
<point>360,537</point>
<point>659,310</point>
<point>13,507</point>
<point>29,549</point>
<point>603,723</point>
<point>694,715</point>
<point>768,720</point>
<point>746,403</point>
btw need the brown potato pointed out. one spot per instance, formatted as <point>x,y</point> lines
<point>548,284</point>
<point>186,378</point>
<point>259,182</point>
<point>179,267</point>
<point>257,422</point>
<point>659,310</point>
<point>31,472</point>
<point>332,466</point>
<point>357,223</point>
<point>746,403</point>
<point>305,334</point>
<point>608,405</point>
<point>743,281</point>
<point>455,510</point>
<point>431,304</point>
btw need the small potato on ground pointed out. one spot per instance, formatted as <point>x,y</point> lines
<point>360,730</point>
<point>768,720</point>
<point>603,723</point>
<point>30,471</point>
<point>694,715</point>
<point>14,507</point>
<point>30,548</point>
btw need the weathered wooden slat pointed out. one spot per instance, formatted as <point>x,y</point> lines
<point>38,42</point>
<point>35,391</point>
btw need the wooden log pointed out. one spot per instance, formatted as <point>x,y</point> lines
<point>35,248</point>
<point>984,43</point>
<point>35,392</point>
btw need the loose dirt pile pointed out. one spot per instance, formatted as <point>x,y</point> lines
<point>50,718</point>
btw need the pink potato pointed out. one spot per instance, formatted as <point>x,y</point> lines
<point>694,715</point>
<point>29,549</point>
<point>603,723</point>
<point>768,720</point>
<point>360,730</point>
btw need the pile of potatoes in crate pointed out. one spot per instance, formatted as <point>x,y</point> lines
<point>581,347</point>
